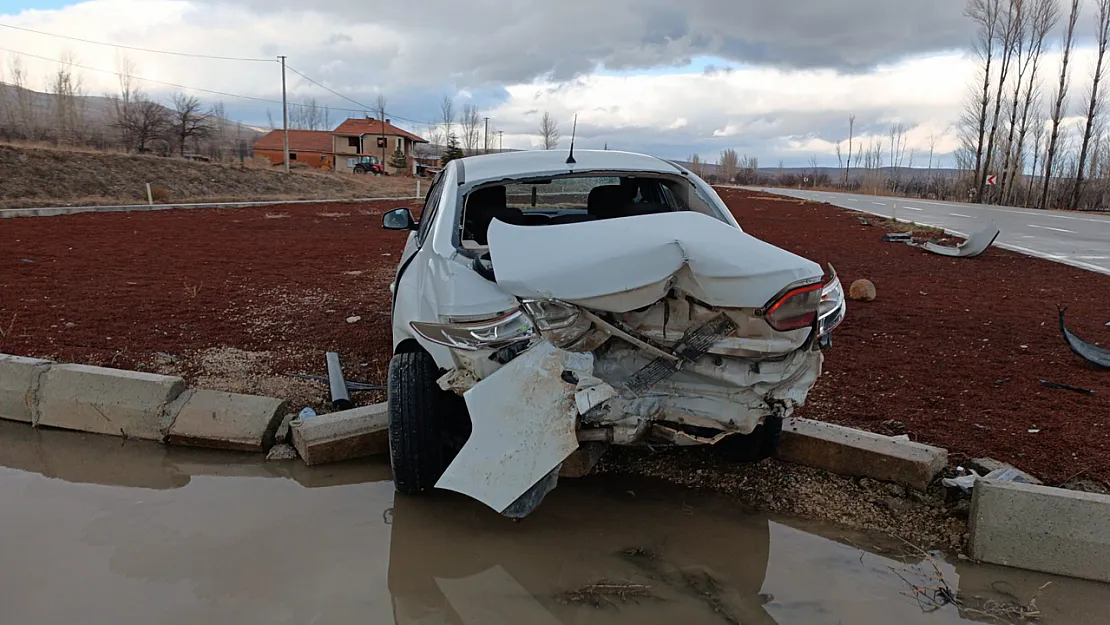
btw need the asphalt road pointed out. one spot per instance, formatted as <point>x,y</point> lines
<point>1077,239</point>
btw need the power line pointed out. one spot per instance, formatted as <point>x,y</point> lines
<point>361,111</point>
<point>365,107</point>
<point>116,45</point>
<point>170,84</point>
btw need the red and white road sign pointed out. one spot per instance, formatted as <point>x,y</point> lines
<point>992,179</point>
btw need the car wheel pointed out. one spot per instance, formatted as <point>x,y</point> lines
<point>359,170</point>
<point>759,445</point>
<point>418,414</point>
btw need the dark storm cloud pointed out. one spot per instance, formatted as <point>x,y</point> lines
<point>493,41</point>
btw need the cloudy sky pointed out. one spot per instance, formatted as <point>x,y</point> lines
<point>772,79</point>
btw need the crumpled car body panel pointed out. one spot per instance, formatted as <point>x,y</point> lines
<point>619,265</point>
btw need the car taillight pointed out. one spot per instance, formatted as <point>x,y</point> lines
<point>794,309</point>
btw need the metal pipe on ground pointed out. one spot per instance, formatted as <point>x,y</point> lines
<point>340,398</point>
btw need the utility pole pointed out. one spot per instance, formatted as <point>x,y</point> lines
<point>500,141</point>
<point>486,140</point>
<point>284,115</point>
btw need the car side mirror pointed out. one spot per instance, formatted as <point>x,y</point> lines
<point>399,219</point>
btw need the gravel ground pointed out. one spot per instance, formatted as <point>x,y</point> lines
<point>778,487</point>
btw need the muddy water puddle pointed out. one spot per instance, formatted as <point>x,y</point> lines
<point>96,530</point>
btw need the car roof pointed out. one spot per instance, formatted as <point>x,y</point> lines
<point>546,162</point>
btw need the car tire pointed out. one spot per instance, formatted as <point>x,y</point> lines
<point>759,445</point>
<point>417,417</point>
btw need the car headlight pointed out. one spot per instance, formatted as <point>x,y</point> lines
<point>482,334</point>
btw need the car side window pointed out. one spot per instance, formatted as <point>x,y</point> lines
<point>431,205</point>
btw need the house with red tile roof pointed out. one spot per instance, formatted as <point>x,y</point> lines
<point>370,137</point>
<point>306,147</point>
<point>342,148</point>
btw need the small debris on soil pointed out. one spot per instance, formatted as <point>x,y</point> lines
<point>779,487</point>
<point>862,291</point>
<point>354,319</point>
<point>282,451</point>
<point>1066,387</point>
<point>604,592</point>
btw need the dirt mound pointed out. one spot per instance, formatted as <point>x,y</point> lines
<point>37,176</point>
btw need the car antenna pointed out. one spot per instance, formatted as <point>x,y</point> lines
<point>573,129</point>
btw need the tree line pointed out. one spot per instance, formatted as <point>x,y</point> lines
<point>129,120</point>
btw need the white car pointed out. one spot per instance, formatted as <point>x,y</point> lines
<point>546,299</point>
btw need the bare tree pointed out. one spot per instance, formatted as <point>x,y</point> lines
<point>986,14</point>
<point>471,123</point>
<point>447,116</point>
<point>695,164</point>
<point>67,88</point>
<point>549,132</point>
<point>1009,36</point>
<point>189,121</point>
<point>728,164</point>
<point>379,111</point>
<point>1038,143</point>
<point>1045,14</point>
<point>1094,109</point>
<point>24,115</point>
<point>124,104</point>
<point>1023,45</point>
<point>148,122</point>
<point>1058,107</point>
<point>851,130</point>
<point>308,115</point>
<point>270,120</point>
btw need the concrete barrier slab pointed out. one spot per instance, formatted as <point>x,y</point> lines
<point>219,420</point>
<point>106,401</point>
<point>342,435</point>
<point>19,378</point>
<point>847,451</point>
<point>1041,528</point>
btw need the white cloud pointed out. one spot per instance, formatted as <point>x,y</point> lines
<point>772,111</point>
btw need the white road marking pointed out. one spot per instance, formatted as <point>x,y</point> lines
<point>879,203</point>
<point>1050,228</point>
<point>913,208</point>
<point>1028,236</point>
<point>934,203</point>
<point>961,215</point>
<point>1093,257</point>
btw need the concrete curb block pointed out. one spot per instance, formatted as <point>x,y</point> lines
<point>106,401</point>
<point>19,387</point>
<point>218,420</point>
<point>54,211</point>
<point>134,404</point>
<point>342,435</point>
<point>847,451</point>
<point>1041,528</point>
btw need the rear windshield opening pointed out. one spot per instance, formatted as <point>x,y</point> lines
<point>565,201</point>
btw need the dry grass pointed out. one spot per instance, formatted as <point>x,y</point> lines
<point>37,176</point>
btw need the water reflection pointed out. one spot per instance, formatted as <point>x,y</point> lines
<point>107,531</point>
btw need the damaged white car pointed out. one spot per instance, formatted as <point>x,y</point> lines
<point>601,296</point>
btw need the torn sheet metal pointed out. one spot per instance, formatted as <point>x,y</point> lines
<point>523,426</point>
<point>679,438</point>
<point>975,245</point>
<point>1098,356</point>
<point>618,265</point>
